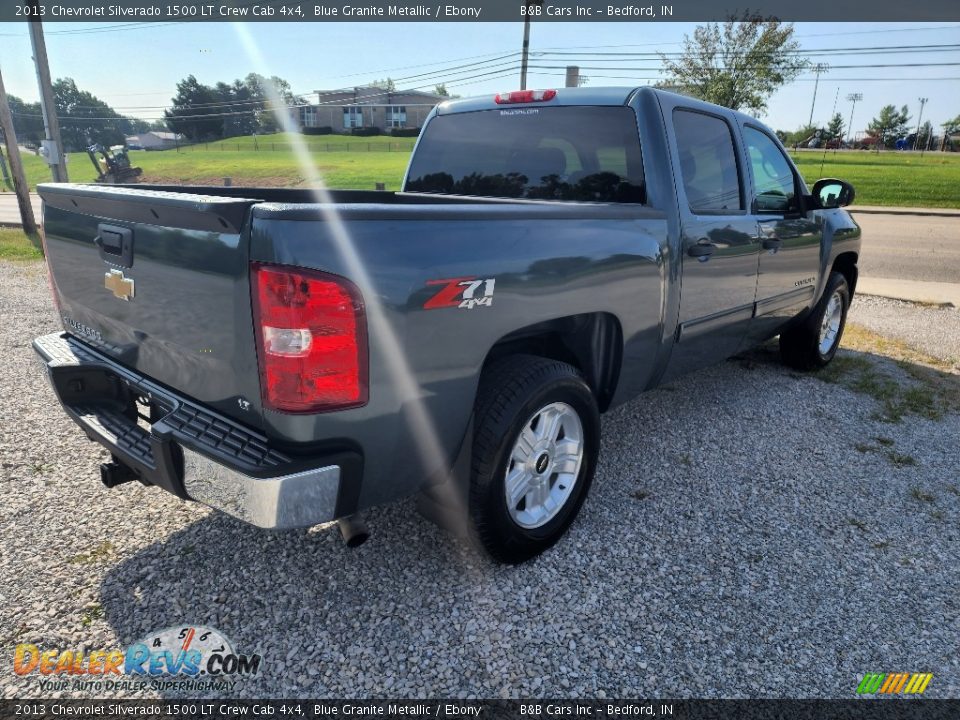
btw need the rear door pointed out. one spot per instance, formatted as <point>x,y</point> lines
<point>790,239</point>
<point>159,282</point>
<point>719,241</point>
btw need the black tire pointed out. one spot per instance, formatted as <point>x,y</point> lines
<point>512,392</point>
<point>800,344</point>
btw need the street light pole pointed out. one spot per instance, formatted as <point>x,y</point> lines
<point>854,98</point>
<point>525,55</point>
<point>923,101</point>
<point>819,68</point>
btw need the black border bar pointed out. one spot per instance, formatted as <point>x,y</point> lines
<point>874,708</point>
<point>637,11</point>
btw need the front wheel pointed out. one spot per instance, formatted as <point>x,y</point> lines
<point>534,454</point>
<point>813,343</point>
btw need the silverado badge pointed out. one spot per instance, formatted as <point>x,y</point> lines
<point>121,287</point>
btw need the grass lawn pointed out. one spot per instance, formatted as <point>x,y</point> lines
<point>887,178</point>
<point>15,245</point>
<point>340,170</point>
<point>321,143</point>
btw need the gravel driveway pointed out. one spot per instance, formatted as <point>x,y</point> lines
<point>751,532</point>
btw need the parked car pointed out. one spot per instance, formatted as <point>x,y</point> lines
<point>294,358</point>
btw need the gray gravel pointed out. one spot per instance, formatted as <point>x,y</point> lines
<point>735,544</point>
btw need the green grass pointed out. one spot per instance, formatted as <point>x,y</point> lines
<point>340,170</point>
<point>16,245</point>
<point>320,143</point>
<point>889,178</point>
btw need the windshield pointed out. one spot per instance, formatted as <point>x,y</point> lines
<point>589,154</point>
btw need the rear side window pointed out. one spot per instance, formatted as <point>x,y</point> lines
<point>587,154</point>
<point>708,163</point>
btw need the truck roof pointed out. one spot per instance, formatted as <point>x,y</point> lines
<point>565,96</point>
<point>584,96</point>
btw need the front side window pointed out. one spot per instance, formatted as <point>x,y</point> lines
<point>773,179</point>
<point>585,154</point>
<point>708,163</point>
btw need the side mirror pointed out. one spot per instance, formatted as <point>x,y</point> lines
<point>832,193</point>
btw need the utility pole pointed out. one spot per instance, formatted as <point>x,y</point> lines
<point>51,126</point>
<point>16,165</point>
<point>819,68</point>
<point>525,54</point>
<point>854,98</point>
<point>923,101</point>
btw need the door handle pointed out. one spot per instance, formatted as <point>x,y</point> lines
<point>702,250</point>
<point>772,243</point>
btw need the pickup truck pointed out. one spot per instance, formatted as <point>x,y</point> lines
<point>293,357</point>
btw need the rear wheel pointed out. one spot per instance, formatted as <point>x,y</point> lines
<point>813,343</point>
<point>534,455</point>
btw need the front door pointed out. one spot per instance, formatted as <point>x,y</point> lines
<point>790,239</point>
<point>719,242</point>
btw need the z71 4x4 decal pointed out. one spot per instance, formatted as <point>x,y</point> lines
<point>462,292</point>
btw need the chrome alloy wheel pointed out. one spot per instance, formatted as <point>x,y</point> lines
<point>544,465</point>
<point>830,327</point>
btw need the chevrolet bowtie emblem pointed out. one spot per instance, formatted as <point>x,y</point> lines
<point>121,287</point>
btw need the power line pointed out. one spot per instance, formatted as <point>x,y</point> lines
<point>875,50</point>
<point>104,29</point>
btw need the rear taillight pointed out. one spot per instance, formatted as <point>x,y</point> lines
<point>311,340</point>
<point>524,96</point>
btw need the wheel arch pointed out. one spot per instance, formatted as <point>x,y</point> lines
<point>591,342</point>
<point>846,264</point>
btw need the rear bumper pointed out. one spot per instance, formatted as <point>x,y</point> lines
<point>192,452</point>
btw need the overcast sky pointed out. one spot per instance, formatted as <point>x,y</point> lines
<point>135,67</point>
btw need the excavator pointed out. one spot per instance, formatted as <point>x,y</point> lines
<point>113,165</point>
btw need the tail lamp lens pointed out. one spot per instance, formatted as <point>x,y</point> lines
<point>312,340</point>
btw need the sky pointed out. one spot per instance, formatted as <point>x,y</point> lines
<point>135,67</point>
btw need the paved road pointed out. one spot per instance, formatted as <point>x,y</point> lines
<point>902,247</point>
<point>10,211</point>
<point>910,247</point>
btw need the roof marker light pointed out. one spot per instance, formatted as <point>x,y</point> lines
<point>524,96</point>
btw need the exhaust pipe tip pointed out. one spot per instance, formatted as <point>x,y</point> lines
<point>353,530</point>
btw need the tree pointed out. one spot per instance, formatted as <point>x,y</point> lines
<point>889,125</point>
<point>86,119</point>
<point>194,112</point>
<point>835,128</point>
<point>158,126</point>
<point>950,127</point>
<point>924,136</point>
<point>386,84</point>
<point>240,107</point>
<point>27,121</point>
<point>262,89</point>
<point>739,64</point>
<point>800,136</point>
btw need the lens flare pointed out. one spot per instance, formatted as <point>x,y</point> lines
<point>426,439</point>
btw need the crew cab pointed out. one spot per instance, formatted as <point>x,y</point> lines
<point>293,357</point>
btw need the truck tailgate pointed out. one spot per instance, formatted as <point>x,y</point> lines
<point>160,282</point>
